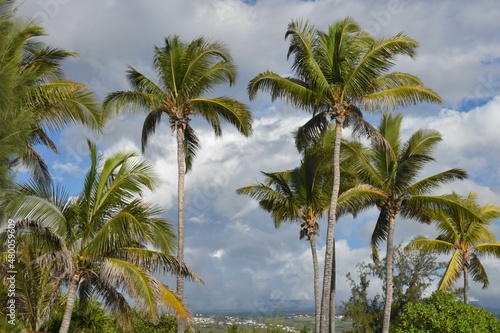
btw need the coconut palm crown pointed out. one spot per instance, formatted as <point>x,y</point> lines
<point>35,95</point>
<point>466,237</point>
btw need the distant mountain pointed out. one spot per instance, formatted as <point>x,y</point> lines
<point>267,308</point>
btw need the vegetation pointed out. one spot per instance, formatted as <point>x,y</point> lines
<point>83,258</point>
<point>414,272</point>
<point>339,74</point>
<point>466,237</point>
<point>442,313</point>
<point>102,242</point>
<point>35,96</point>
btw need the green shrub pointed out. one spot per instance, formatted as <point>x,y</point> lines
<point>443,313</point>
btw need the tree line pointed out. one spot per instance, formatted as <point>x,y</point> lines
<point>107,242</point>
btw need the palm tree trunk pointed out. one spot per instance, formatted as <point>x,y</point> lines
<point>317,303</point>
<point>70,303</point>
<point>466,283</point>
<point>388,274</point>
<point>181,171</point>
<point>332,290</point>
<point>328,283</point>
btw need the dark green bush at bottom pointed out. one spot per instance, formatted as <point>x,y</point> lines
<point>442,313</point>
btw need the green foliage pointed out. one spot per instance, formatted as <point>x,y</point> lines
<point>105,241</point>
<point>413,274</point>
<point>91,319</point>
<point>94,319</point>
<point>35,97</point>
<point>443,313</point>
<point>464,235</point>
<point>5,327</point>
<point>142,323</point>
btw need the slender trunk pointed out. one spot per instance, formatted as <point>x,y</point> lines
<point>332,290</point>
<point>466,283</point>
<point>388,274</point>
<point>70,303</point>
<point>181,171</point>
<point>317,303</point>
<point>326,299</point>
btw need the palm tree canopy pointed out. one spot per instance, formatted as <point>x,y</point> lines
<point>463,232</point>
<point>394,169</point>
<point>186,73</point>
<point>107,236</point>
<point>341,72</point>
<point>35,95</point>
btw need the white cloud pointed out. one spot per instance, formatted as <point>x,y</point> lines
<point>69,168</point>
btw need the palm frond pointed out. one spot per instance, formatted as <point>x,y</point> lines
<point>380,232</point>
<point>131,101</point>
<point>399,97</point>
<point>229,109</point>
<point>303,42</point>
<point>152,120</point>
<point>191,146</point>
<point>452,272</point>
<point>431,245</point>
<point>291,90</point>
<point>155,261</point>
<point>489,248</point>
<point>309,133</point>
<point>477,271</point>
<point>377,61</point>
<point>357,199</point>
<point>138,283</point>
<point>425,185</point>
<point>173,302</point>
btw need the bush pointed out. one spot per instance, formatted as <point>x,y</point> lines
<point>442,313</point>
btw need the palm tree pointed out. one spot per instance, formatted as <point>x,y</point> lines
<point>303,195</point>
<point>186,73</point>
<point>36,286</point>
<point>339,74</point>
<point>103,242</point>
<point>466,238</point>
<point>393,168</point>
<point>35,95</point>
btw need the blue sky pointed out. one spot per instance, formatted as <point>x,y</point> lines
<point>233,245</point>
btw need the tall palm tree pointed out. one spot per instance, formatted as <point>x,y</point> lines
<point>339,74</point>
<point>35,95</point>
<point>186,73</point>
<point>105,241</point>
<point>466,238</point>
<point>303,195</point>
<point>393,168</point>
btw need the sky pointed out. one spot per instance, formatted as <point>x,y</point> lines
<point>247,264</point>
